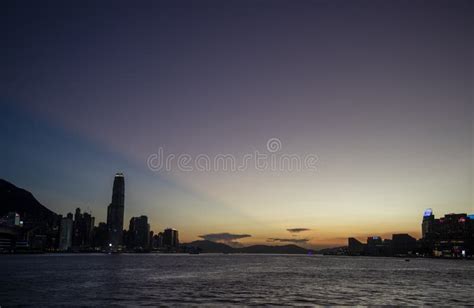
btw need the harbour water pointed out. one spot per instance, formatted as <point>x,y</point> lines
<point>208,279</point>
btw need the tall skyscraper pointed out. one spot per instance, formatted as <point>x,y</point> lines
<point>115,213</point>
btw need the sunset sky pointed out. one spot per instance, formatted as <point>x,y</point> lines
<point>379,91</point>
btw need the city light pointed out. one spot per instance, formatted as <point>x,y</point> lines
<point>428,213</point>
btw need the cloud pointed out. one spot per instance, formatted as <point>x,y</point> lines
<point>288,240</point>
<point>223,237</point>
<point>297,230</point>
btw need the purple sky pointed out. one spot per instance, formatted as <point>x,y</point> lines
<point>380,91</point>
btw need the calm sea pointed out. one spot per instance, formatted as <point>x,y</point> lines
<point>152,279</point>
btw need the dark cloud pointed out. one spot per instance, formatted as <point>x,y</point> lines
<point>297,230</point>
<point>288,240</point>
<point>223,237</point>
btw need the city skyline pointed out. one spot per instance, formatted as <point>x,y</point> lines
<point>379,93</point>
<point>142,233</point>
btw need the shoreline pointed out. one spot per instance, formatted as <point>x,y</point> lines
<point>406,258</point>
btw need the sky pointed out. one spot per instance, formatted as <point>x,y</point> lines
<point>378,92</point>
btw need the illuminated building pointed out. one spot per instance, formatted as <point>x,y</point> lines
<point>11,219</point>
<point>428,222</point>
<point>449,236</point>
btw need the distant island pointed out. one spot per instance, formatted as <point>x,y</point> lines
<point>206,246</point>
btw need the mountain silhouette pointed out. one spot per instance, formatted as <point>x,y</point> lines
<point>21,201</point>
<point>211,247</point>
<point>214,247</point>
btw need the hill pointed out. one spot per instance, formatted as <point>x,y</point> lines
<point>213,247</point>
<point>21,201</point>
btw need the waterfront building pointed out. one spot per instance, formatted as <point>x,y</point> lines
<point>139,232</point>
<point>403,244</point>
<point>115,213</point>
<point>170,238</point>
<point>374,246</point>
<point>82,230</point>
<point>448,236</point>
<point>150,238</point>
<point>11,219</point>
<point>66,231</point>
<point>355,247</point>
<point>100,236</point>
<point>427,223</point>
<point>157,241</point>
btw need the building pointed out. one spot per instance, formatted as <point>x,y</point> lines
<point>77,230</point>
<point>115,213</point>
<point>448,236</point>
<point>427,223</point>
<point>66,231</point>
<point>139,233</point>
<point>11,219</point>
<point>170,239</point>
<point>150,239</point>
<point>100,236</point>
<point>355,247</point>
<point>82,230</point>
<point>403,244</point>
<point>10,230</point>
<point>387,248</point>
<point>157,241</point>
<point>375,246</point>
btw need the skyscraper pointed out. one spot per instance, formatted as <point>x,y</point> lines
<point>428,222</point>
<point>139,233</point>
<point>170,238</point>
<point>115,213</point>
<point>65,233</point>
<point>82,230</point>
